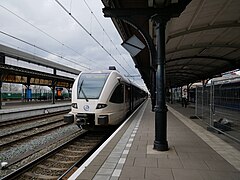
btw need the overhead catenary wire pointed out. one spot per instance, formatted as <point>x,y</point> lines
<point>30,44</point>
<point>106,33</point>
<point>70,14</point>
<point>63,44</point>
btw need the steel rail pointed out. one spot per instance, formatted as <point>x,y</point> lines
<point>28,166</point>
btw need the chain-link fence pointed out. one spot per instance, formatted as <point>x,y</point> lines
<point>218,104</point>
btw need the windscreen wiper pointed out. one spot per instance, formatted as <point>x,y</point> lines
<point>81,90</point>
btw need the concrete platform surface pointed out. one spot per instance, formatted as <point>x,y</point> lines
<point>194,153</point>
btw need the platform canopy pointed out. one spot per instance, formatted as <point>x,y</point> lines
<point>202,40</point>
<point>20,55</point>
<point>27,76</point>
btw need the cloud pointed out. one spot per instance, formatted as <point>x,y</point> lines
<point>78,46</point>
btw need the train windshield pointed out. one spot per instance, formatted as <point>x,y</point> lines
<point>90,85</point>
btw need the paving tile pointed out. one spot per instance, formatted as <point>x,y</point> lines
<point>98,160</point>
<point>119,166</point>
<point>129,161</point>
<point>194,164</point>
<point>105,152</point>
<point>122,160</point>
<point>187,174</point>
<point>112,159</point>
<point>115,155</point>
<point>133,172</point>
<point>113,178</point>
<point>124,178</point>
<point>86,175</point>
<point>136,154</point>
<point>181,155</point>
<point>158,156</point>
<point>117,172</point>
<point>109,165</point>
<point>220,165</point>
<point>140,143</point>
<point>200,155</point>
<point>169,163</point>
<point>220,175</point>
<point>145,162</point>
<point>158,174</point>
<point>125,152</point>
<point>142,149</point>
<point>105,171</point>
<point>101,177</point>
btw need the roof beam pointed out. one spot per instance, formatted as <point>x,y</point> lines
<point>209,27</point>
<point>129,12</point>
<point>200,57</point>
<point>235,46</point>
<point>182,73</point>
<point>183,70</point>
<point>172,10</point>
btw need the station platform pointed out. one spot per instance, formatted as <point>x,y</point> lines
<point>18,109</point>
<point>26,104</point>
<point>194,152</point>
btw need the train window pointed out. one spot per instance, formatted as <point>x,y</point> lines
<point>90,85</point>
<point>127,93</point>
<point>118,94</point>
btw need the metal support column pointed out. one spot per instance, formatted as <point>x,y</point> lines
<point>160,142</point>
<point>171,95</point>
<point>0,91</point>
<point>53,87</point>
<point>2,61</point>
<point>53,93</point>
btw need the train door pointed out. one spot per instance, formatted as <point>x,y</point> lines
<point>117,104</point>
<point>131,98</point>
<point>127,97</point>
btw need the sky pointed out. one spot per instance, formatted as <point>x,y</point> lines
<point>47,25</point>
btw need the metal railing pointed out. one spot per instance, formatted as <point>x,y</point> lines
<point>218,105</point>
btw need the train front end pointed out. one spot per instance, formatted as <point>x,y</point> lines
<point>86,101</point>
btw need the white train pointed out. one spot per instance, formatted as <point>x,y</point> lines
<point>103,98</point>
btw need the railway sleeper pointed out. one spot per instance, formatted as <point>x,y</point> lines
<point>51,168</point>
<point>75,151</point>
<point>64,155</point>
<point>38,176</point>
<point>62,162</point>
<point>56,164</point>
<point>86,142</point>
<point>66,158</point>
<point>82,146</point>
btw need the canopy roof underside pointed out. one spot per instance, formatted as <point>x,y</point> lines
<point>203,42</point>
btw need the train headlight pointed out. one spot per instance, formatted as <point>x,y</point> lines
<point>100,106</point>
<point>74,105</point>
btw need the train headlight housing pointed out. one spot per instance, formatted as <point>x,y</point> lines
<point>101,106</point>
<point>74,105</point>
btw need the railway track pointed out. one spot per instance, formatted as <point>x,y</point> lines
<point>9,123</point>
<point>20,131</point>
<point>16,138</point>
<point>59,162</point>
<point>21,139</point>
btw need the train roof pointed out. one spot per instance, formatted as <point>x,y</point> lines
<point>116,72</point>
